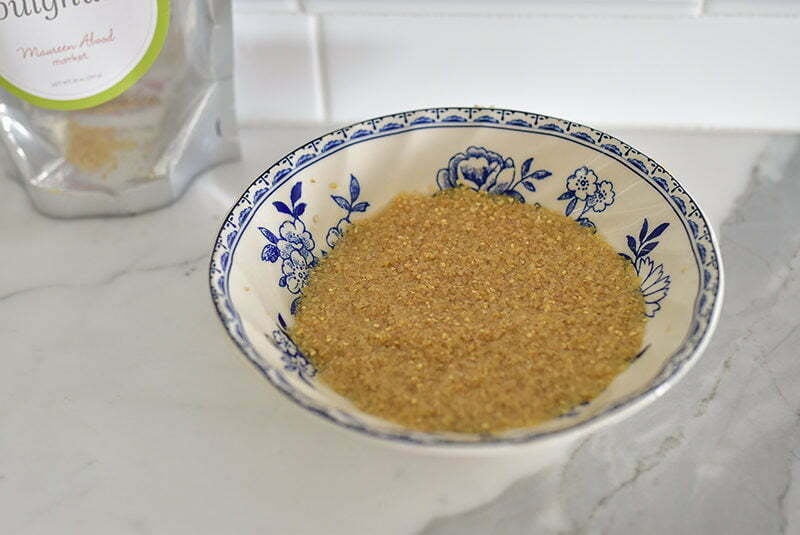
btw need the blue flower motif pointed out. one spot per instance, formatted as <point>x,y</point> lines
<point>284,343</point>
<point>654,282</point>
<point>603,197</point>
<point>335,233</point>
<point>582,182</point>
<point>270,253</point>
<point>294,245</point>
<point>293,360</point>
<point>299,364</point>
<point>295,270</point>
<point>350,206</point>
<point>479,169</point>
<point>654,286</point>
<point>586,193</point>
<point>294,236</point>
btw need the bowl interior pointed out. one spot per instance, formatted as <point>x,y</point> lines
<point>294,213</point>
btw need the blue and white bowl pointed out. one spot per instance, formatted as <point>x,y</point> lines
<point>294,213</point>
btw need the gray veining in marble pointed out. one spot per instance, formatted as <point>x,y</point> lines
<point>125,409</point>
<point>720,452</point>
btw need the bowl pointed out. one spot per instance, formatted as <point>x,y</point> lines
<point>294,213</point>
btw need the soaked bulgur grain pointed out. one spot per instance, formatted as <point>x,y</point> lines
<point>469,312</point>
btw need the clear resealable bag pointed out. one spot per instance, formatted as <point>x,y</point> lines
<point>113,106</point>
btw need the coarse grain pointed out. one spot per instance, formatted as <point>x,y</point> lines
<point>95,149</point>
<point>469,312</point>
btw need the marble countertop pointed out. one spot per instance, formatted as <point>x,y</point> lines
<point>125,409</point>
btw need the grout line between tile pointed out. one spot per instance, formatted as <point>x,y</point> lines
<point>318,68</point>
<point>700,8</point>
<point>691,13</point>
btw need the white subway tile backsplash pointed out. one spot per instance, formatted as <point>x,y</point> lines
<point>715,71</point>
<point>262,6</point>
<point>632,62</point>
<point>503,7</point>
<point>275,75</point>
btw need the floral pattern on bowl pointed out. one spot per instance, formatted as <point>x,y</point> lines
<point>586,193</point>
<point>481,169</point>
<point>294,246</point>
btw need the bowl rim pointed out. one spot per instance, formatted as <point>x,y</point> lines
<point>282,171</point>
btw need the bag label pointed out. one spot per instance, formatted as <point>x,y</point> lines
<point>74,54</point>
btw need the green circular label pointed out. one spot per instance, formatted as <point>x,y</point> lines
<point>75,55</point>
